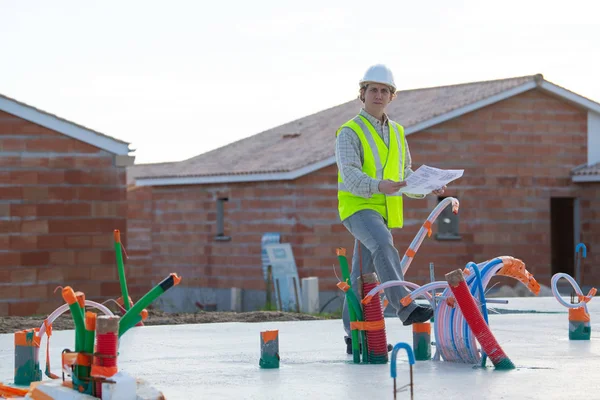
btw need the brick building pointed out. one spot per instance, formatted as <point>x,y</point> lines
<point>531,189</point>
<point>63,192</point>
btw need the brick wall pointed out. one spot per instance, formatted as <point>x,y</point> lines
<point>60,200</point>
<point>590,232</point>
<point>505,204</point>
<point>517,154</point>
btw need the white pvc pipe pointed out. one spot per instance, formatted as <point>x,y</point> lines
<point>416,243</point>
<point>62,309</point>
<point>573,283</point>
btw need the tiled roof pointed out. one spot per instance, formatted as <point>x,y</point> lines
<point>311,139</point>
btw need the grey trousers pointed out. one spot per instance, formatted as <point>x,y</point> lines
<point>379,255</point>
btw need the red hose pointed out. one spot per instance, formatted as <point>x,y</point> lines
<point>475,320</point>
<point>377,352</point>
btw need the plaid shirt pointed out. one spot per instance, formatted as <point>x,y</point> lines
<point>350,157</point>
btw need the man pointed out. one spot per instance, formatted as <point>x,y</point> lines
<point>373,162</point>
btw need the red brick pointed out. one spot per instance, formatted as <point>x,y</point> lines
<point>5,178</point>
<point>94,162</point>
<point>105,209</point>
<point>23,275</point>
<point>75,177</point>
<point>101,177</point>
<point>74,274</point>
<point>34,162</point>
<point>50,274</point>
<point>62,257</point>
<point>79,241</point>
<point>34,291</point>
<point>23,308</point>
<point>5,210</point>
<point>4,243</point>
<point>9,292</point>
<point>11,193</point>
<point>37,258</point>
<point>22,210</point>
<point>88,257</point>
<point>82,147</point>
<point>51,177</point>
<point>104,272</point>
<point>91,289</point>
<point>103,241</point>
<point>23,242</point>
<point>50,242</point>
<point>35,226</point>
<point>101,193</point>
<point>23,177</point>
<point>64,210</point>
<point>62,193</point>
<point>10,161</point>
<point>10,227</point>
<point>87,225</point>
<point>35,193</point>
<point>48,306</point>
<point>11,144</point>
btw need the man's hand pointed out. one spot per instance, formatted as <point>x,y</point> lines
<point>440,191</point>
<point>390,187</point>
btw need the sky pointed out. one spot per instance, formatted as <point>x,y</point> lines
<point>179,78</point>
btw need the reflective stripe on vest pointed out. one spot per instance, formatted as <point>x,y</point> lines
<point>379,162</point>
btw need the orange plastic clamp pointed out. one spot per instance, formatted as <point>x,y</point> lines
<point>103,372</point>
<point>28,338</point>
<point>368,325</point>
<point>343,286</point>
<point>578,315</point>
<point>421,327</point>
<point>267,336</point>
<point>84,359</point>
<point>427,225</point>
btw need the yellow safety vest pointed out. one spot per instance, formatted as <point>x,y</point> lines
<point>379,163</point>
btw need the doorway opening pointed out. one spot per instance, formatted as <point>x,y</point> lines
<point>562,233</point>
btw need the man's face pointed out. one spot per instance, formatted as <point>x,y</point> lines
<point>377,96</point>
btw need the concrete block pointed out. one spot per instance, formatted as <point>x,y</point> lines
<point>236,299</point>
<point>310,295</point>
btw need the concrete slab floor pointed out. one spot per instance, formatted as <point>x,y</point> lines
<point>220,361</point>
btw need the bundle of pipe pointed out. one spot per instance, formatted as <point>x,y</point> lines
<point>471,313</point>
<point>453,338</point>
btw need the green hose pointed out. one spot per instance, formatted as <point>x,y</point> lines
<point>90,336</point>
<point>121,268</point>
<point>130,317</point>
<point>354,310</point>
<point>77,313</point>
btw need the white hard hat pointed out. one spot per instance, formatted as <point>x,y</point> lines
<point>379,73</point>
